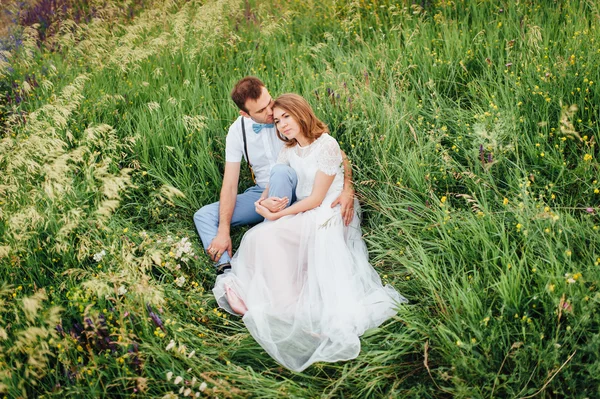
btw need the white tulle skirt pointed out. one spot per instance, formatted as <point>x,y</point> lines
<point>308,286</point>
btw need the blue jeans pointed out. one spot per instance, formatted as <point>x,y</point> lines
<point>282,183</point>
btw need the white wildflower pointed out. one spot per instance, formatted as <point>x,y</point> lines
<point>98,256</point>
<point>180,281</point>
<point>183,247</point>
<point>171,345</point>
<point>203,386</point>
<point>178,380</point>
<point>122,290</point>
<point>187,392</point>
<point>169,374</point>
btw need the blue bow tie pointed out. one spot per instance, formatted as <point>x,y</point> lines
<point>257,127</point>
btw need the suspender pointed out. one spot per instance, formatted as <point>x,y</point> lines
<point>246,149</point>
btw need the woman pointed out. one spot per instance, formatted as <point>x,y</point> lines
<point>302,280</point>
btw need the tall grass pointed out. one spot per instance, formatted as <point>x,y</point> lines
<point>472,131</point>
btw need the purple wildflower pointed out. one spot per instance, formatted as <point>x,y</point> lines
<point>157,321</point>
<point>78,329</point>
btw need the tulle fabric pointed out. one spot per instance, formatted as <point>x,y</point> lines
<point>308,286</point>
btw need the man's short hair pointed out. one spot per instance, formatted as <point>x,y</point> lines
<point>249,88</point>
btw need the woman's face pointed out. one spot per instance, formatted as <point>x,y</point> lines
<point>287,125</point>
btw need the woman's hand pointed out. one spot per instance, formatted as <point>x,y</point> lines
<point>274,204</point>
<point>346,200</point>
<point>264,212</point>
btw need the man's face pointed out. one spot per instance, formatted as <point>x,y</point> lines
<point>260,110</point>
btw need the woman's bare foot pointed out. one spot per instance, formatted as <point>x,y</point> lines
<point>235,301</point>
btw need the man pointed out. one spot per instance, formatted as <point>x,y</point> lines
<point>253,137</point>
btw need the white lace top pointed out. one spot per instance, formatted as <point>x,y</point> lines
<point>323,155</point>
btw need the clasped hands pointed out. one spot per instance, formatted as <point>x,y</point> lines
<point>270,207</point>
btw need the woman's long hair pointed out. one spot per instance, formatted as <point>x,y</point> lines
<point>299,109</point>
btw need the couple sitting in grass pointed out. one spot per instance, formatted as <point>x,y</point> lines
<point>301,279</point>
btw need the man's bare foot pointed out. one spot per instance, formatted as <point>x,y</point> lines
<point>235,301</point>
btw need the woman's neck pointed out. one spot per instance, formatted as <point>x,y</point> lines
<point>303,141</point>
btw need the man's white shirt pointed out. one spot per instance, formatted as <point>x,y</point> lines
<point>263,148</point>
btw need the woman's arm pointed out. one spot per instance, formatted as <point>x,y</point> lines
<point>346,197</point>
<point>322,183</point>
<point>273,204</point>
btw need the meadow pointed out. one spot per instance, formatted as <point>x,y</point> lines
<point>471,127</point>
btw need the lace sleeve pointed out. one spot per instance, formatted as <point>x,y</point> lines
<point>283,157</point>
<point>329,158</point>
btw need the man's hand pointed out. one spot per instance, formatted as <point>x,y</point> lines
<point>346,201</point>
<point>264,212</point>
<point>218,246</point>
<point>275,204</point>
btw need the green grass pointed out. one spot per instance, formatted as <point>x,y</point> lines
<point>472,130</point>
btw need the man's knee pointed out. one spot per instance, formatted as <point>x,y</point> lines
<point>283,173</point>
<point>205,215</point>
